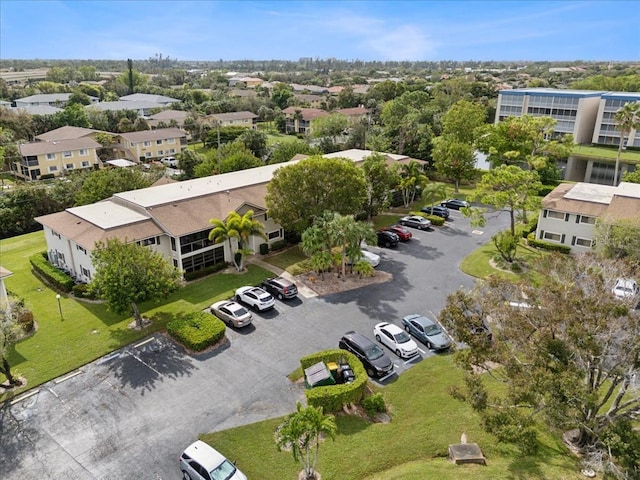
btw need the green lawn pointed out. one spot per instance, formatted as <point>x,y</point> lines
<point>608,153</point>
<point>425,420</point>
<point>87,330</point>
<point>280,138</point>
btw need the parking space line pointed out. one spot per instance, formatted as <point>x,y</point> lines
<point>71,375</point>
<point>25,396</point>
<point>145,364</point>
<point>144,342</point>
<point>422,351</point>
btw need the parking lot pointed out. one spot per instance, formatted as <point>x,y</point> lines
<point>130,414</point>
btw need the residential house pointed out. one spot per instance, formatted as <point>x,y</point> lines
<point>39,110</point>
<point>150,144</point>
<point>148,97</point>
<point>168,117</point>
<point>355,114</point>
<point>298,120</point>
<point>313,89</point>
<point>142,108</point>
<point>172,219</point>
<point>246,82</point>
<point>309,100</point>
<point>47,100</point>
<point>234,119</point>
<point>570,212</point>
<point>56,157</point>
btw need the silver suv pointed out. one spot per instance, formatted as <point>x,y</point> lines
<point>202,462</point>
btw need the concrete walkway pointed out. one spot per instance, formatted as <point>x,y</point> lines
<point>303,290</point>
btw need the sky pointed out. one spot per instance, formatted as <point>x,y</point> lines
<point>542,30</point>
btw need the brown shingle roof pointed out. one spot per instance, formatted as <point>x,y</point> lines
<point>307,113</point>
<point>39,148</point>
<point>65,133</point>
<point>556,201</point>
<point>86,234</point>
<point>159,134</point>
<point>624,208</point>
<point>222,117</point>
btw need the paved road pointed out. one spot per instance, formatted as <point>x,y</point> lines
<point>129,415</point>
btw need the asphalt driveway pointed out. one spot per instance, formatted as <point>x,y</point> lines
<point>129,415</point>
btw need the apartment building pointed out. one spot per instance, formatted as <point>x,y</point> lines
<point>56,157</point>
<point>150,144</point>
<point>570,212</point>
<point>234,119</point>
<point>606,131</point>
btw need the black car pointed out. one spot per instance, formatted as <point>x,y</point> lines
<point>455,203</point>
<point>437,210</point>
<point>387,239</point>
<point>280,288</point>
<point>376,362</point>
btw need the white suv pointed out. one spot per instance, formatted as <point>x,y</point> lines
<point>202,462</point>
<point>626,288</point>
<point>170,162</point>
<point>255,297</point>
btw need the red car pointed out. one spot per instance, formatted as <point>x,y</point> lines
<point>402,232</point>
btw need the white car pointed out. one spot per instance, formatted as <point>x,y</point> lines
<point>396,339</point>
<point>170,162</point>
<point>372,258</point>
<point>231,313</point>
<point>202,462</point>
<point>625,288</point>
<point>255,297</point>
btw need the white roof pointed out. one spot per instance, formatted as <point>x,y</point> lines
<point>121,162</point>
<point>628,189</point>
<point>591,192</point>
<point>107,214</point>
<point>174,192</point>
<point>358,155</point>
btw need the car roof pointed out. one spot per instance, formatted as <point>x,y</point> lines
<point>420,319</point>
<point>358,339</point>
<point>280,280</point>
<point>205,455</point>
<point>226,303</point>
<point>390,327</point>
<point>256,290</point>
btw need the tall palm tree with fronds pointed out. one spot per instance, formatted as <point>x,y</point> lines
<point>301,432</point>
<point>412,177</point>
<point>627,118</point>
<point>240,227</point>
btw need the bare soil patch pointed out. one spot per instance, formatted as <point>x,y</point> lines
<point>332,283</point>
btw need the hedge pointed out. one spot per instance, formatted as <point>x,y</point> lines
<point>436,221</point>
<point>546,190</point>
<point>278,245</point>
<point>84,290</point>
<point>333,397</point>
<point>55,277</point>
<point>197,330</point>
<point>552,247</point>
<point>188,276</point>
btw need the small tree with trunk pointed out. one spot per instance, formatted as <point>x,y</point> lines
<point>302,432</point>
<point>128,274</point>
<point>9,333</point>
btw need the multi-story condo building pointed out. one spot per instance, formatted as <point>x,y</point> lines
<point>606,131</point>
<point>56,157</point>
<point>574,110</point>
<point>150,144</point>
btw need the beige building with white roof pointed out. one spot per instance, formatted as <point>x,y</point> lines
<point>570,211</point>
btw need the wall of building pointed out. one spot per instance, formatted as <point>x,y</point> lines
<point>572,230</point>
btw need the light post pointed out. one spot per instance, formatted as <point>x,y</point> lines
<point>59,306</point>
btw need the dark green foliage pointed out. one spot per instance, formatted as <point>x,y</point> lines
<point>188,276</point>
<point>546,190</point>
<point>197,331</point>
<point>436,221</point>
<point>56,278</point>
<point>333,397</point>
<point>19,206</point>
<point>83,290</point>
<point>623,441</point>
<point>374,404</point>
<point>278,245</point>
<point>553,247</point>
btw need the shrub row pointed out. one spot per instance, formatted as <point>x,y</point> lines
<point>188,276</point>
<point>53,276</point>
<point>333,397</point>
<point>197,330</point>
<point>278,245</point>
<point>546,190</point>
<point>553,247</point>
<point>84,290</point>
<point>374,404</point>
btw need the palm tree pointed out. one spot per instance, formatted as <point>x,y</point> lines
<point>222,232</point>
<point>301,432</point>
<point>432,191</point>
<point>627,118</point>
<point>246,227</point>
<point>411,178</point>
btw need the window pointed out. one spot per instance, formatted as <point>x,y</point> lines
<point>147,143</point>
<point>66,154</point>
<point>276,234</point>
<point>195,241</point>
<point>171,140</point>
<point>53,168</point>
<point>172,151</point>
<point>583,242</point>
<point>554,237</point>
<point>173,244</point>
<point>82,249</point>
<point>83,152</point>
<point>56,234</point>
<point>85,272</point>
<point>553,214</point>
<point>147,154</point>
<point>69,166</point>
<point>51,156</point>
<point>85,163</point>
<point>149,241</point>
<point>203,260</point>
<point>589,220</point>
<point>158,142</point>
<point>160,152</point>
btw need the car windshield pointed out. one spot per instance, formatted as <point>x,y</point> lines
<point>431,330</point>
<point>402,337</point>
<point>238,312</point>
<point>224,471</point>
<point>374,353</point>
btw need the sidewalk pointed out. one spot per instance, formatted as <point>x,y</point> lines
<point>303,290</point>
